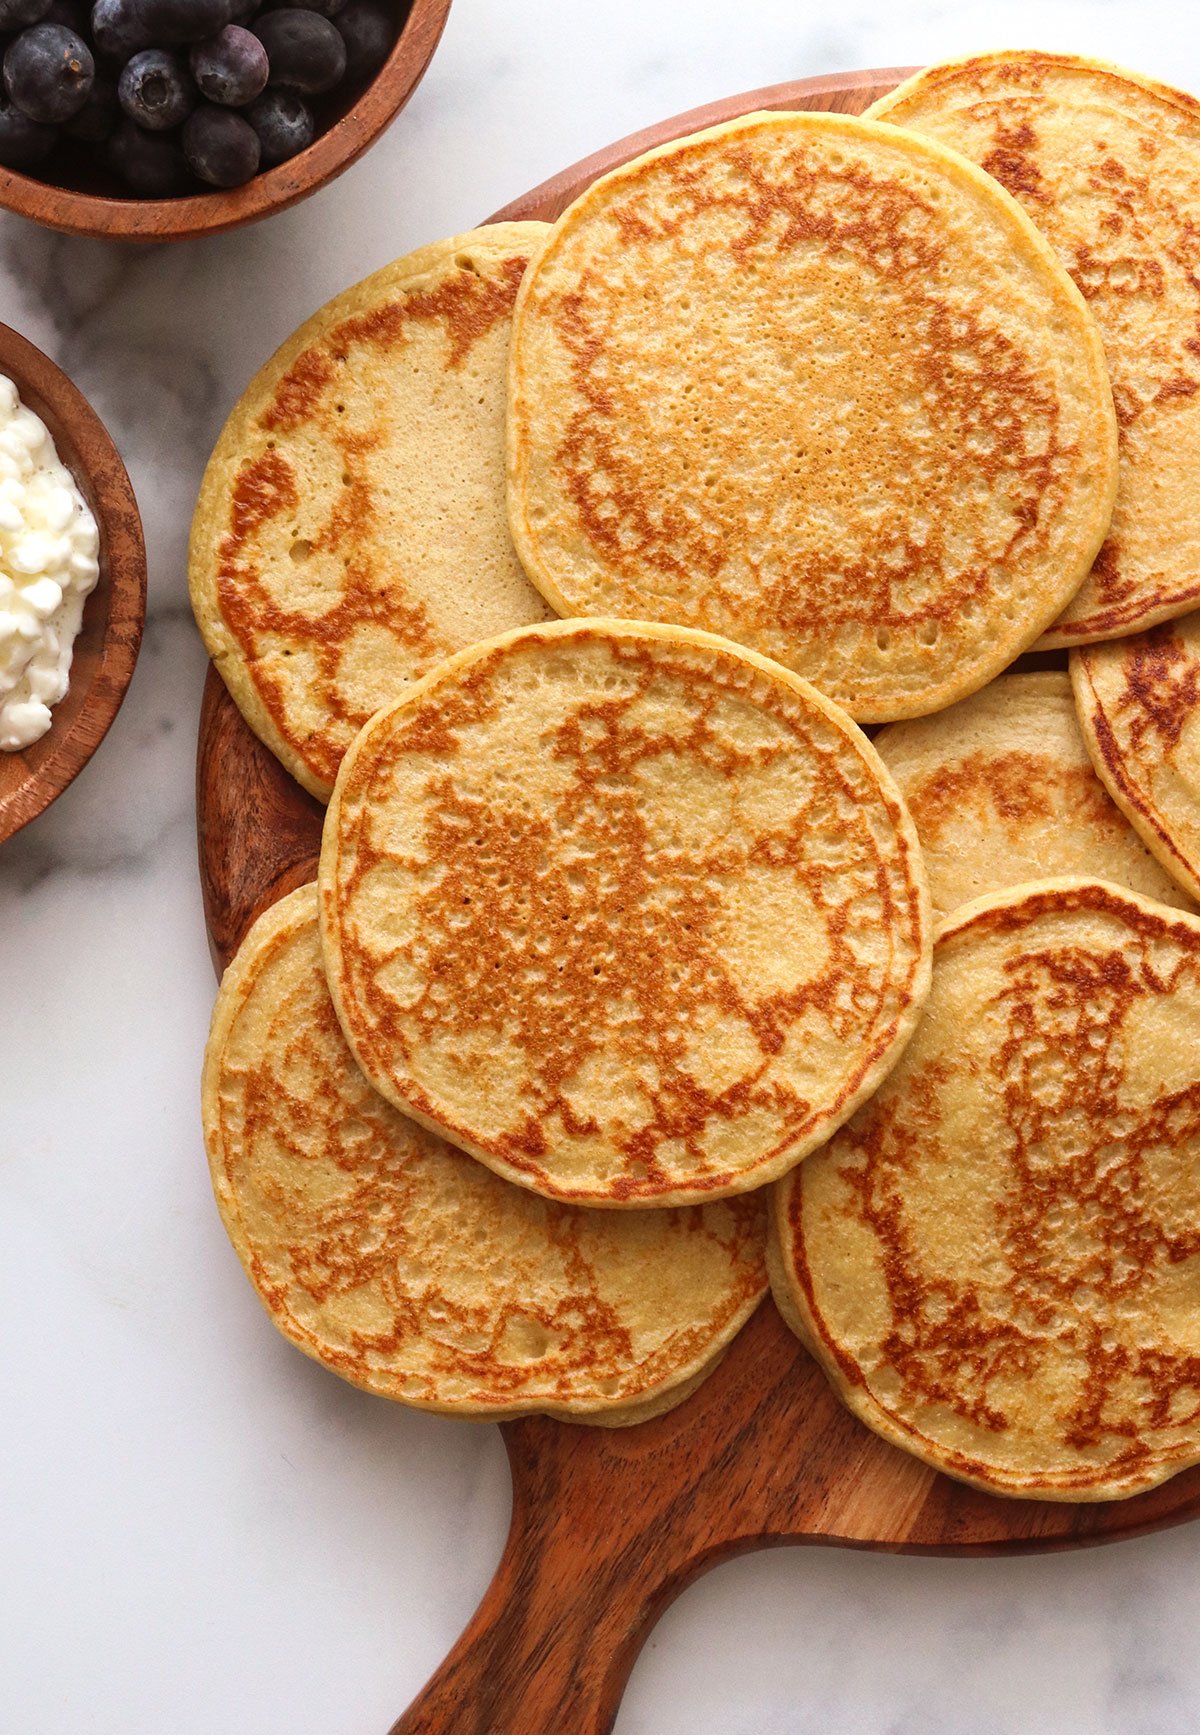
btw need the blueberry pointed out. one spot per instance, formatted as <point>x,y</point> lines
<point>368,28</point>
<point>150,164</point>
<point>22,141</point>
<point>48,71</point>
<point>231,67</point>
<point>118,29</point>
<point>156,89</point>
<point>16,14</point>
<point>220,146</point>
<point>305,50</point>
<point>284,124</point>
<point>98,117</point>
<point>171,22</point>
<point>327,8</point>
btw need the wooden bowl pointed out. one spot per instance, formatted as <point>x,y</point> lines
<point>84,202</point>
<point>107,646</point>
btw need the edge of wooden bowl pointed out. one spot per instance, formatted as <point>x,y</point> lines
<point>111,219</point>
<point>108,642</point>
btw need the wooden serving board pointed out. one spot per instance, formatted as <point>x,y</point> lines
<point>608,1526</point>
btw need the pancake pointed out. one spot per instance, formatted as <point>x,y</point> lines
<point>1138,701</point>
<point>1001,790</point>
<point>819,386</point>
<point>1108,166</point>
<point>350,530</point>
<point>997,1261</point>
<point>629,913</point>
<point>413,1272</point>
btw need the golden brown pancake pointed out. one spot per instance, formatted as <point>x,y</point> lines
<point>997,1261</point>
<point>1108,166</point>
<point>351,529</point>
<point>1138,701</point>
<point>412,1271</point>
<point>819,386</point>
<point>1001,790</point>
<point>630,913</point>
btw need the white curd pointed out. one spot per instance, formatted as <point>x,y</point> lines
<point>48,564</point>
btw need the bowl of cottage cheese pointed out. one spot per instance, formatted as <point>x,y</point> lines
<point>72,581</point>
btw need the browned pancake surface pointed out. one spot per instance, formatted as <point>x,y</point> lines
<point>817,385</point>
<point>1107,164</point>
<point>351,528</point>
<point>628,912</point>
<point>1002,790</point>
<point>1139,707</point>
<point>413,1271</point>
<point>998,1259</point>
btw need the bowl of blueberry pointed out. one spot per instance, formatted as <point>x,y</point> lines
<point>155,120</point>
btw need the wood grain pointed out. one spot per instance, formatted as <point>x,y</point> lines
<point>609,1526</point>
<point>259,833</point>
<point>90,203</point>
<point>107,646</point>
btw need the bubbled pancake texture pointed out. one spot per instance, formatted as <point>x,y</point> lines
<point>1139,703</point>
<point>1108,166</point>
<point>628,914</point>
<point>808,384</point>
<point>413,1271</point>
<point>1001,790</point>
<point>351,530</point>
<point>998,1258</point>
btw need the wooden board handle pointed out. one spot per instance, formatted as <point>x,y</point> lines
<point>558,1631</point>
<point>610,1524</point>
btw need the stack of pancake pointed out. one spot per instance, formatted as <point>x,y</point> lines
<point>801,423</point>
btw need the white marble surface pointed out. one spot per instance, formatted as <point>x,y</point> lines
<point>199,1530</point>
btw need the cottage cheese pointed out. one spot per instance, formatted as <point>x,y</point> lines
<point>48,564</point>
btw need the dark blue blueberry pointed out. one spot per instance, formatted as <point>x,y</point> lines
<point>16,14</point>
<point>231,67</point>
<point>327,8</point>
<point>118,29</point>
<point>305,50</point>
<point>220,146</point>
<point>48,71</point>
<point>156,89</point>
<point>368,28</point>
<point>98,117</point>
<point>284,124</point>
<point>171,22</point>
<point>22,141</point>
<point>150,164</point>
